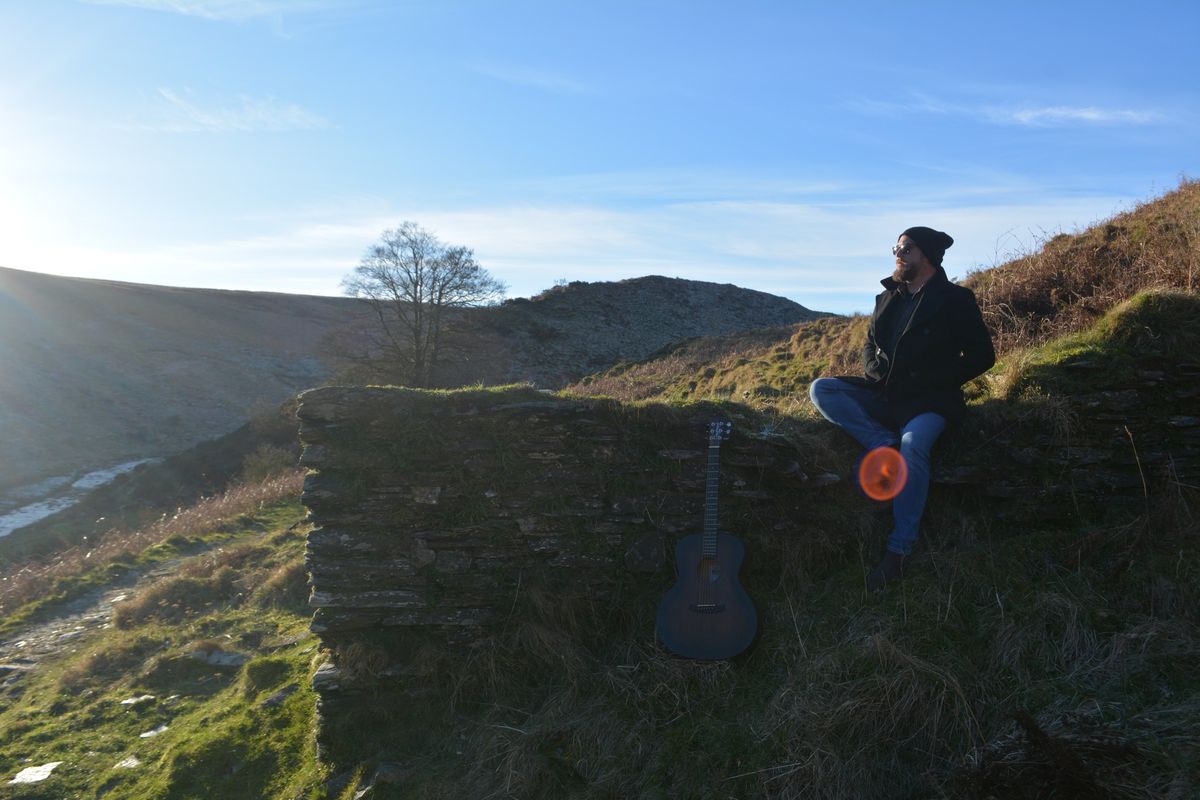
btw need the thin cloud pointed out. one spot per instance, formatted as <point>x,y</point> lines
<point>1052,116</point>
<point>249,114</point>
<point>1029,116</point>
<point>543,80</point>
<point>217,9</point>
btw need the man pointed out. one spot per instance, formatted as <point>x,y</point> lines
<point>926,339</point>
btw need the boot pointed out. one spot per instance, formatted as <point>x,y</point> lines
<point>889,570</point>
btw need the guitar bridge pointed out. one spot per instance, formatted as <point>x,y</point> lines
<point>707,608</point>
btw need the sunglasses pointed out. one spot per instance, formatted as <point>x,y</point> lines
<point>902,250</point>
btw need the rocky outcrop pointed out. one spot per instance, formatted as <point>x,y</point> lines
<point>581,328</point>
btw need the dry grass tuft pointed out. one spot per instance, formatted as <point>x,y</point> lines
<point>237,558</point>
<point>830,717</point>
<point>1072,280</point>
<point>172,599</point>
<point>35,580</point>
<point>1094,751</point>
<point>1058,641</point>
<point>113,659</point>
<point>361,662</point>
<point>285,587</point>
<point>203,583</point>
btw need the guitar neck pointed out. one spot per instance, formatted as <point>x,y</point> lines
<point>710,500</point>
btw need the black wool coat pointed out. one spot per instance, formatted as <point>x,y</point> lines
<point>944,345</point>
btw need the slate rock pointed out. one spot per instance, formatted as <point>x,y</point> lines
<point>219,658</point>
<point>279,697</point>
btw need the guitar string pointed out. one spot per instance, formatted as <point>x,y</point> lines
<point>709,540</point>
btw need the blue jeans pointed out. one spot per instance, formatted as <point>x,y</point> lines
<point>858,410</point>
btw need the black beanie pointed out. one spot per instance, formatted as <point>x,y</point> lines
<point>932,243</point>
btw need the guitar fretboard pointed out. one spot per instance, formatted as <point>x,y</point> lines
<point>710,500</point>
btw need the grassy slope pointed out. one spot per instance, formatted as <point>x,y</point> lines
<point>1073,280</point>
<point>238,586</point>
<point>1062,287</point>
<point>764,369</point>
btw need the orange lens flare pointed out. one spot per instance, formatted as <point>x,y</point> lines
<point>882,473</point>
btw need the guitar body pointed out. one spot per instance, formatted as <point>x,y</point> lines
<point>707,615</point>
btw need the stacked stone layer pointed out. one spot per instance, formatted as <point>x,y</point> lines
<point>431,508</point>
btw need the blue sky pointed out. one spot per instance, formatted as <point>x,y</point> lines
<point>262,144</point>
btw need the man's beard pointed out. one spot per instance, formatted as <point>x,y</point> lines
<point>905,274</point>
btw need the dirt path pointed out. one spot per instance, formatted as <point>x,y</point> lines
<point>72,626</point>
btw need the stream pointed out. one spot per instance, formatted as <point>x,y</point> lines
<point>55,498</point>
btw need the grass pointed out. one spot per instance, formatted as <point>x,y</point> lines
<point>29,588</point>
<point>1070,281</point>
<point>222,739</point>
<point>1154,329</point>
<point>1005,656</point>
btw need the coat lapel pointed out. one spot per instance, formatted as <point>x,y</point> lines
<point>935,297</point>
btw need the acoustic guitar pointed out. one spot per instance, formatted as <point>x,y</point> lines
<point>707,615</point>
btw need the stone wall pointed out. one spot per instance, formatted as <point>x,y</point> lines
<point>434,509</point>
<point>1099,435</point>
<point>431,506</point>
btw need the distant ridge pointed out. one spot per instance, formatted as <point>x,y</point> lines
<point>99,372</point>
<point>578,328</point>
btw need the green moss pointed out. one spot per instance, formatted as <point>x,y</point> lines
<point>1153,330</point>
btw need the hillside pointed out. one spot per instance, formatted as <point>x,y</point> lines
<point>99,373</point>
<point>174,665</point>
<point>502,553</point>
<point>569,331</point>
<point>1064,286</point>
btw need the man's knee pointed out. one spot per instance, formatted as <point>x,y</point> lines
<point>920,435</point>
<point>821,388</point>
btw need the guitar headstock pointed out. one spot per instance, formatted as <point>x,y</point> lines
<point>719,431</point>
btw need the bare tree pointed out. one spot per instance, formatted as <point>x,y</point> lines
<point>414,284</point>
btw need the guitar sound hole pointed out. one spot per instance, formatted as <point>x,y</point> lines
<point>709,570</point>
